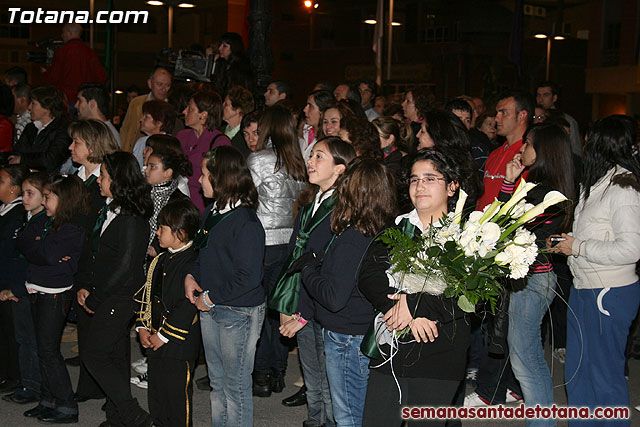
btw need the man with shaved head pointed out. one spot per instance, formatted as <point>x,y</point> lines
<point>159,83</point>
<point>73,64</point>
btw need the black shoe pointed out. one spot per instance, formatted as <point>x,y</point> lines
<point>144,420</point>
<point>56,417</point>
<point>277,382</point>
<point>80,398</point>
<point>9,386</point>
<point>298,399</point>
<point>262,384</point>
<point>311,424</point>
<point>203,383</point>
<point>73,361</point>
<point>21,397</point>
<point>37,411</point>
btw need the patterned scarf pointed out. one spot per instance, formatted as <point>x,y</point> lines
<point>160,194</point>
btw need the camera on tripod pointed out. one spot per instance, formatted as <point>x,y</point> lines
<point>49,46</point>
<point>186,64</point>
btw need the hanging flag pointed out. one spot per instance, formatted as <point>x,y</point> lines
<point>377,41</point>
<point>517,36</point>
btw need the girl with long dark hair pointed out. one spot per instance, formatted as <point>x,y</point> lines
<point>52,248</point>
<point>225,284</point>
<point>602,253</point>
<point>118,249</point>
<point>546,154</point>
<point>279,174</point>
<point>311,129</point>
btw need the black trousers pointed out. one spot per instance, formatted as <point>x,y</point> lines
<point>381,406</point>
<point>107,355</point>
<point>87,386</point>
<point>9,367</point>
<point>170,391</point>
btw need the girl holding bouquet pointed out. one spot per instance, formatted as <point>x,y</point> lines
<point>428,363</point>
<point>546,154</point>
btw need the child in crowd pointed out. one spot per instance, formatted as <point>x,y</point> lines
<point>14,275</point>
<point>163,169</point>
<point>119,244</point>
<point>365,202</point>
<point>11,217</point>
<point>170,143</point>
<point>167,323</point>
<point>52,247</point>
<point>225,284</point>
<point>311,233</point>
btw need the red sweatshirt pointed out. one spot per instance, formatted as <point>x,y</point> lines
<point>494,171</point>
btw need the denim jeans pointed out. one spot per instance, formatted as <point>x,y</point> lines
<point>229,335</point>
<point>526,310</point>
<point>312,363</point>
<point>27,346</point>
<point>272,350</point>
<point>49,313</point>
<point>596,340</point>
<point>348,374</point>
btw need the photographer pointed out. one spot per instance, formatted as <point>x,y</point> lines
<point>73,64</point>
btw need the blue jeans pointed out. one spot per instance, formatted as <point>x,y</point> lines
<point>312,363</point>
<point>526,310</point>
<point>49,313</point>
<point>229,335</point>
<point>348,374</point>
<point>594,364</point>
<point>27,346</point>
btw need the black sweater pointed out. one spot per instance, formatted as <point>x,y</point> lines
<point>118,266</point>
<point>45,151</point>
<point>171,312</point>
<point>339,306</point>
<point>446,357</point>
<point>231,266</point>
<point>44,254</point>
<point>12,266</point>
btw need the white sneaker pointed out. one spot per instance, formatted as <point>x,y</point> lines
<point>138,362</point>
<point>141,368</point>
<point>512,397</point>
<point>140,381</point>
<point>559,354</point>
<point>472,399</point>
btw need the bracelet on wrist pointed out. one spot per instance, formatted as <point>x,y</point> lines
<point>204,300</point>
<point>301,319</point>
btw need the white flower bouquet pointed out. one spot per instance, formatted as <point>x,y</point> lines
<point>465,259</point>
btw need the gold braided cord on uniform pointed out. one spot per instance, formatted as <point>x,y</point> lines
<point>144,314</point>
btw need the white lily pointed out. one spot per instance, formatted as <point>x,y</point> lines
<point>490,211</point>
<point>521,191</point>
<point>550,199</point>
<point>462,198</point>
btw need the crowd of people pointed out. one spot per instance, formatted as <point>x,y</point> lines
<point>241,224</point>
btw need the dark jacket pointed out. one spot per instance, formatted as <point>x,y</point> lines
<point>339,305</point>
<point>231,266</point>
<point>12,265</point>
<point>171,312</point>
<point>446,357</point>
<point>238,142</point>
<point>118,265</point>
<point>44,251</point>
<point>45,151</point>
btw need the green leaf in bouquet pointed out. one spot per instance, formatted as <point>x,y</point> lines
<point>465,305</point>
<point>433,252</point>
<point>450,292</point>
<point>450,246</point>
<point>472,282</point>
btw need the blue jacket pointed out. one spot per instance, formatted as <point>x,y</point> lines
<point>230,267</point>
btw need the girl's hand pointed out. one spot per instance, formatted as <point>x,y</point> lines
<point>562,247</point>
<point>398,317</point>
<point>190,289</point>
<point>514,168</point>
<point>424,329</point>
<point>155,342</point>
<point>200,305</point>
<point>284,318</point>
<point>152,252</point>
<point>82,296</point>
<point>144,337</point>
<point>290,328</point>
<point>64,259</point>
<point>7,295</point>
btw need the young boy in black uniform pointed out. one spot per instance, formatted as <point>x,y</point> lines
<point>167,322</point>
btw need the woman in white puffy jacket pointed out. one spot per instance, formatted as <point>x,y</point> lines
<point>280,174</point>
<point>603,252</point>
